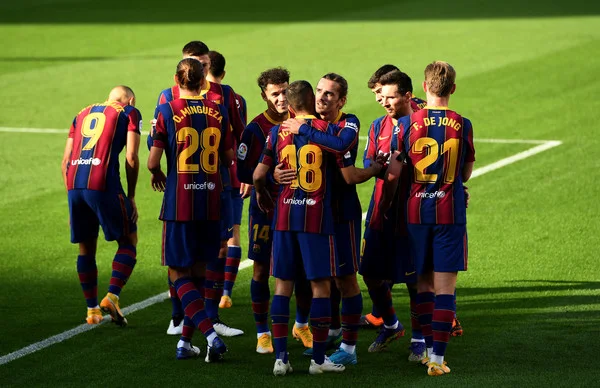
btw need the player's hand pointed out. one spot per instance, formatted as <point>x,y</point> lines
<point>467,195</point>
<point>134,214</point>
<point>245,190</point>
<point>265,202</point>
<point>283,177</point>
<point>158,181</point>
<point>292,125</point>
<point>382,158</point>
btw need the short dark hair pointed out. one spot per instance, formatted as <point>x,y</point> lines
<point>341,81</point>
<point>190,74</point>
<point>399,78</point>
<point>300,96</point>
<point>275,76</point>
<point>379,73</point>
<point>195,49</point>
<point>217,63</point>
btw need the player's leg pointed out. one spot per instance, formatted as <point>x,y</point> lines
<point>303,293</point>
<point>348,245</point>
<point>418,350</point>
<point>260,239</point>
<point>379,265</point>
<point>215,271</point>
<point>352,304</point>
<point>234,251</point>
<point>177,315</point>
<point>115,214</point>
<point>335,329</point>
<point>84,230</point>
<point>319,257</point>
<point>449,257</point>
<point>187,246</point>
<point>285,257</point>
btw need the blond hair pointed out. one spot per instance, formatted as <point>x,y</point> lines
<point>440,77</point>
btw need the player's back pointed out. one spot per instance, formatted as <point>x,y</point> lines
<point>99,134</point>
<point>193,132</point>
<point>305,204</point>
<point>437,142</point>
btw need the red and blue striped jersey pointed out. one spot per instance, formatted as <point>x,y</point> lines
<point>347,205</point>
<point>438,142</point>
<point>417,104</point>
<point>378,141</point>
<point>193,132</point>
<point>99,133</point>
<point>305,204</point>
<point>241,105</point>
<point>344,143</point>
<point>250,150</point>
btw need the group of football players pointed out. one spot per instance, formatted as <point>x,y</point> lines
<point>296,162</point>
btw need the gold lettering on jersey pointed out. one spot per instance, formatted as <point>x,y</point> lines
<point>118,107</point>
<point>283,134</point>
<point>199,110</point>
<point>442,122</point>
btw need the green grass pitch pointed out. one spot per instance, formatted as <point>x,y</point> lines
<point>530,302</point>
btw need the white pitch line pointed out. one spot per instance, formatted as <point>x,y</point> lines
<point>546,145</point>
<point>515,158</point>
<point>501,141</point>
<point>65,335</point>
<point>32,130</point>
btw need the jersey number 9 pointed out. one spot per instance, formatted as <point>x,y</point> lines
<point>91,128</point>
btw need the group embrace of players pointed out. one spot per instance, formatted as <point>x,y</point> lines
<point>296,162</point>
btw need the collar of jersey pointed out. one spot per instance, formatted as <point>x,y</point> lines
<point>437,108</point>
<point>273,121</point>
<point>204,91</point>
<point>192,97</point>
<point>339,116</point>
<point>306,117</point>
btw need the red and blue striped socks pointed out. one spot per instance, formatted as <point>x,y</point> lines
<point>88,278</point>
<point>122,266</point>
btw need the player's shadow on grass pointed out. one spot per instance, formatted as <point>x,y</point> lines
<point>157,11</point>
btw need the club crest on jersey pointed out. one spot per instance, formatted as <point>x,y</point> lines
<point>242,151</point>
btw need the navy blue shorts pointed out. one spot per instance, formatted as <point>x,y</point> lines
<point>439,248</point>
<point>260,236</point>
<point>237,206</point>
<point>315,252</point>
<point>185,243</point>
<point>90,209</point>
<point>387,257</point>
<point>347,239</point>
<point>226,227</point>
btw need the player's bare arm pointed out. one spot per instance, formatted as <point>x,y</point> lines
<point>66,157</point>
<point>158,178</point>
<point>467,171</point>
<point>265,202</point>
<point>132,168</point>
<point>391,178</point>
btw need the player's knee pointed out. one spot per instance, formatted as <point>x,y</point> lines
<point>347,285</point>
<point>373,283</point>
<point>260,273</point>
<point>130,239</point>
<point>321,288</point>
